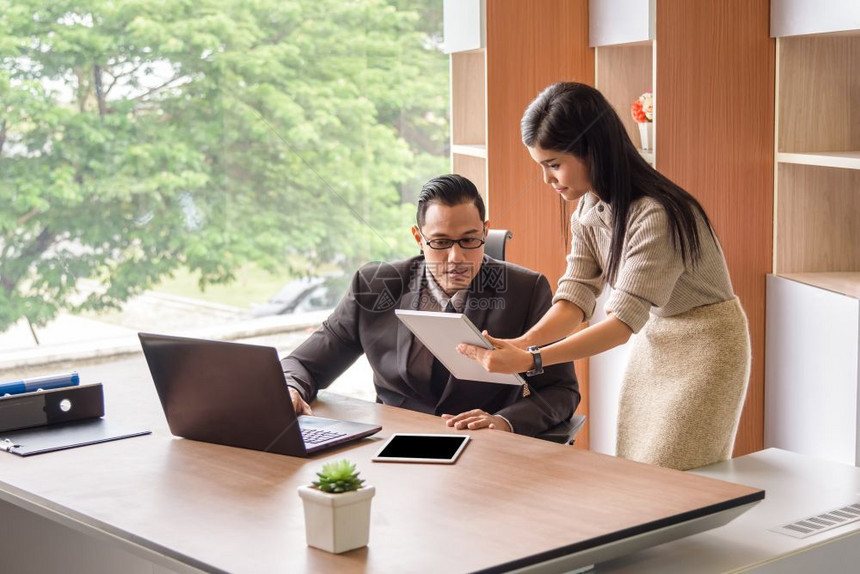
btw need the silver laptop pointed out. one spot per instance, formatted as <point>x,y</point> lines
<point>236,395</point>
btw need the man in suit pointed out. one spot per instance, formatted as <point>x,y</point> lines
<point>452,274</point>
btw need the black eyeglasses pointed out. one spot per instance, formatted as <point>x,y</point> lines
<point>464,243</point>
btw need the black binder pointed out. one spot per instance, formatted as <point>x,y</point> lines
<point>46,421</point>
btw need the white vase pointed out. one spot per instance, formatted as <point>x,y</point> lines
<point>337,522</point>
<point>646,136</point>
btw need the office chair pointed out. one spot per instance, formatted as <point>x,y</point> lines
<point>564,432</point>
<point>495,245</point>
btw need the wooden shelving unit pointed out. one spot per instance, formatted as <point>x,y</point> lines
<point>813,298</point>
<point>818,158</point>
<point>710,67</point>
<point>714,55</point>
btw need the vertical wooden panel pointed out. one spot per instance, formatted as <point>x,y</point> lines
<point>715,70</point>
<point>473,168</point>
<point>510,87</point>
<point>468,97</point>
<point>530,45</point>
<point>561,54</point>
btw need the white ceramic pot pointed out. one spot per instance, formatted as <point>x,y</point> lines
<point>337,522</point>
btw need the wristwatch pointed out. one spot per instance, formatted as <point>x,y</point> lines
<point>538,368</point>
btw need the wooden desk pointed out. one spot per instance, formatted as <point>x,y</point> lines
<point>509,502</point>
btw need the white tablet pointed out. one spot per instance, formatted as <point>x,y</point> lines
<point>435,448</point>
<point>442,332</point>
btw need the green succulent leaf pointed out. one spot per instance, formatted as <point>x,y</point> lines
<point>338,476</point>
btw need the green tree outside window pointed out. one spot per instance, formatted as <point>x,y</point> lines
<point>139,137</point>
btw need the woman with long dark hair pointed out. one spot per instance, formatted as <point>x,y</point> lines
<point>652,242</point>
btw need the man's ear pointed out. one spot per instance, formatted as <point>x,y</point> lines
<point>486,226</point>
<point>417,235</point>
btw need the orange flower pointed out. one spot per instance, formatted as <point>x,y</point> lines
<point>637,112</point>
<point>643,108</point>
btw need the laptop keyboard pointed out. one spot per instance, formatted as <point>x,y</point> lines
<point>317,436</point>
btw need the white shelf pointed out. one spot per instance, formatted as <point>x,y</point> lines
<point>470,150</point>
<point>840,159</point>
<point>843,283</point>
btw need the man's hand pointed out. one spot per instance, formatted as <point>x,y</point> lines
<point>476,419</point>
<point>504,358</point>
<point>299,404</point>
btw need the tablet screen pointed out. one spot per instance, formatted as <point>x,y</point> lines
<point>438,448</point>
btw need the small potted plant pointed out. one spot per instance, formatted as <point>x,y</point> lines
<point>643,112</point>
<point>337,508</point>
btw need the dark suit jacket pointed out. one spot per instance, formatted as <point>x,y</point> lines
<point>504,299</point>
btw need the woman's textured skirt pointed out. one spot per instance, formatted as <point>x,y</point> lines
<point>684,387</point>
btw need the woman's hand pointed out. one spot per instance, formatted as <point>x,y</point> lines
<point>504,358</point>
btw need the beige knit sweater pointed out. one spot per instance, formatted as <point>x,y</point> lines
<point>651,277</point>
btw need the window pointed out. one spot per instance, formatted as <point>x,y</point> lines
<point>175,165</point>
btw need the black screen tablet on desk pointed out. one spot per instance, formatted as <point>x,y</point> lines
<point>435,448</point>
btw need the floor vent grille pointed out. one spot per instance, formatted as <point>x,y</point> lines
<point>821,522</point>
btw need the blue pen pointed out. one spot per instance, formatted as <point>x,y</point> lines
<point>37,383</point>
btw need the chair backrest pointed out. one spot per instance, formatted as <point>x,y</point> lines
<point>495,245</point>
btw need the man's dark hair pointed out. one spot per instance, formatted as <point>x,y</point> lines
<point>449,190</point>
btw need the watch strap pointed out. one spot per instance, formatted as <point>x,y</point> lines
<point>538,366</point>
